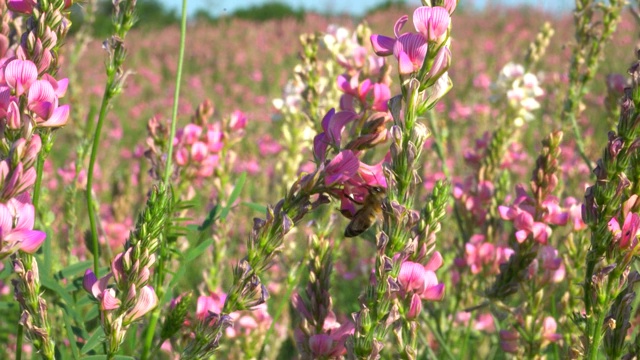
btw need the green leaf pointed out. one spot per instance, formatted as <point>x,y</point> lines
<point>234,195</point>
<point>96,338</point>
<point>104,357</point>
<point>72,341</point>
<point>198,250</point>
<point>257,207</point>
<point>52,285</point>
<point>91,314</point>
<point>4,305</point>
<point>73,269</point>
<point>210,219</point>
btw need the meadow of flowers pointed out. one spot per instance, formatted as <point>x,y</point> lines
<point>423,183</point>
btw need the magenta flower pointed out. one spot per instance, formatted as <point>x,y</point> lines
<point>343,167</point>
<point>352,86</point>
<point>372,175</point>
<point>188,135</point>
<point>509,341</point>
<point>238,120</point>
<point>333,123</point>
<point>330,343</point>
<point>522,214</point>
<point>431,24</point>
<point>421,279</point>
<point>381,96</point>
<point>410,50</point>
<point>484,256</point>
<point>19,75</point>
<point>628,235</point>
<point>100,290</point>
<point>210,304</point>
<point>21,6</point>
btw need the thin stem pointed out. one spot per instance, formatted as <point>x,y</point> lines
<point>595,337</point>
<point>20,336</point>
<point>38,183</point>
<point>440,340</point>
<point>438,143</point>
<point>151,329</point>
<point>92,162</point>
<point>176,96</point>
<point>148,340</point>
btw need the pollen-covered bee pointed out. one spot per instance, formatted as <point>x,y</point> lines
<point>370,211</point>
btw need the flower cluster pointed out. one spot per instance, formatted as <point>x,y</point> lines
<point>132,296</point>
<point>519,90</point>
<point>523,212</point>
<point>200,146</point>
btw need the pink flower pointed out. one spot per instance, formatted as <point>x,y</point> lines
<point>552,264</point>
<point>238,120</point>
<point>410,50</point>
<point>146,301</point>
<point>100,291</point>
<point>421,279</point>
<point>331,342</point>
<point>509,341</point>
<point>549,327</point>
<point>432,23</point>
<point>381,96</point>
<point>210,304</point>
<point>26,6</point>
<point>21,6</point>
<point>343,167</point>
<point>628,235</point>
<point>17,218</point>
<point>19,75</point>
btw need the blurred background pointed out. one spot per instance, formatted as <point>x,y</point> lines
<point>167,12</point>
<point>352,7</point>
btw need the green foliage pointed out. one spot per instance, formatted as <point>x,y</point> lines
<point>152,14</point>
<point>268,11</point>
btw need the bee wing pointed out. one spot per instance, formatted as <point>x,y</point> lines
<point>361,221</point>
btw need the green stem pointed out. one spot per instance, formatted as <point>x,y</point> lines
<point>20,336</point>
<point>579,143</point>
<point>176,96</point>
<point>151,329</point>
<point>438,143</point>
<point>148,340</point>
<point>92,162</point>
<point>598,316</point>
<point>38,183</point>
<point>283,304</point>
<point>441,341</point>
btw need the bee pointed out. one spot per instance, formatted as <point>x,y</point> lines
<point>370,211</point>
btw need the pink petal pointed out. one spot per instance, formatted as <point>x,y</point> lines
<point>382,45</point>
<point>397,28</point>
<point>434,293</point>
<point>89,280</point>
<point>20,74</point>
<point>344,166</point>
<point>58,118</point>
<point>147,300</point>
<point>109,300</point>
<point>435,262</point>
<point>31,239</point>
